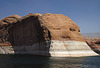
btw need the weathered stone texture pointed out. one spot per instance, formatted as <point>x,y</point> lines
<point>47,34</point>
<point>61,27</point>
<point>94,43</point>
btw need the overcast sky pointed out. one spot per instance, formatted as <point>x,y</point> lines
<point>86,13</point>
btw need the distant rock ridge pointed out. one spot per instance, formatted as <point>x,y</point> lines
<point>47,34</point>
<point>92,35</point>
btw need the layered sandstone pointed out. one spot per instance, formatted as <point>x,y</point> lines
<point>47,34</point>
<point>94,43</point>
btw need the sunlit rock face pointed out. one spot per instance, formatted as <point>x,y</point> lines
<point>48,35</point>
<point>61,27</point>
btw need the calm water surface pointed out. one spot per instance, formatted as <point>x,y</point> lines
<point>30,61</point>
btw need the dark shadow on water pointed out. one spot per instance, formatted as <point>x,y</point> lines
<point>31,61</point>
<point>23,61</point>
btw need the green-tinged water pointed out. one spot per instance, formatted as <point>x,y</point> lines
<point>30,61</point>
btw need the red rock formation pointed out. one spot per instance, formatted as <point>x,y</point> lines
<point>22,28</point>
<point>47,34</point>
<point>94,43</point>
<point>5,24</point>
<point>61,27</point>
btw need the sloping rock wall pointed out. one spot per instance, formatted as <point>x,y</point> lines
<point>94,43</point>
<point>37,34</point>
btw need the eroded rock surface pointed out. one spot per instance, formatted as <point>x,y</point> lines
<point>61,27</point>
<point>94,43</point>
<point>47,34</point>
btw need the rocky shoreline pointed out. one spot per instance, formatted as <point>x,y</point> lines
<point>49,34</point>
<point>55,49</point>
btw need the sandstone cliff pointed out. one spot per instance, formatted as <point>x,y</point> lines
<point>47,34</point>
<point>94,43</point>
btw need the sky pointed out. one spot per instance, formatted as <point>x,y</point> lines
<point>86,13</point>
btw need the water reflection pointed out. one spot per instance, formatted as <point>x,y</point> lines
<point>30,61</point>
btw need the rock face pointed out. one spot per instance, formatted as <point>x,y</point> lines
<point>94,43</point>
<point>47,34</point>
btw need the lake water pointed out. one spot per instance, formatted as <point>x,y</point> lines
<point>30,61</point>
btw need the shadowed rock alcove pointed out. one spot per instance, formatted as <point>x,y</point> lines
<point>28,32</point>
